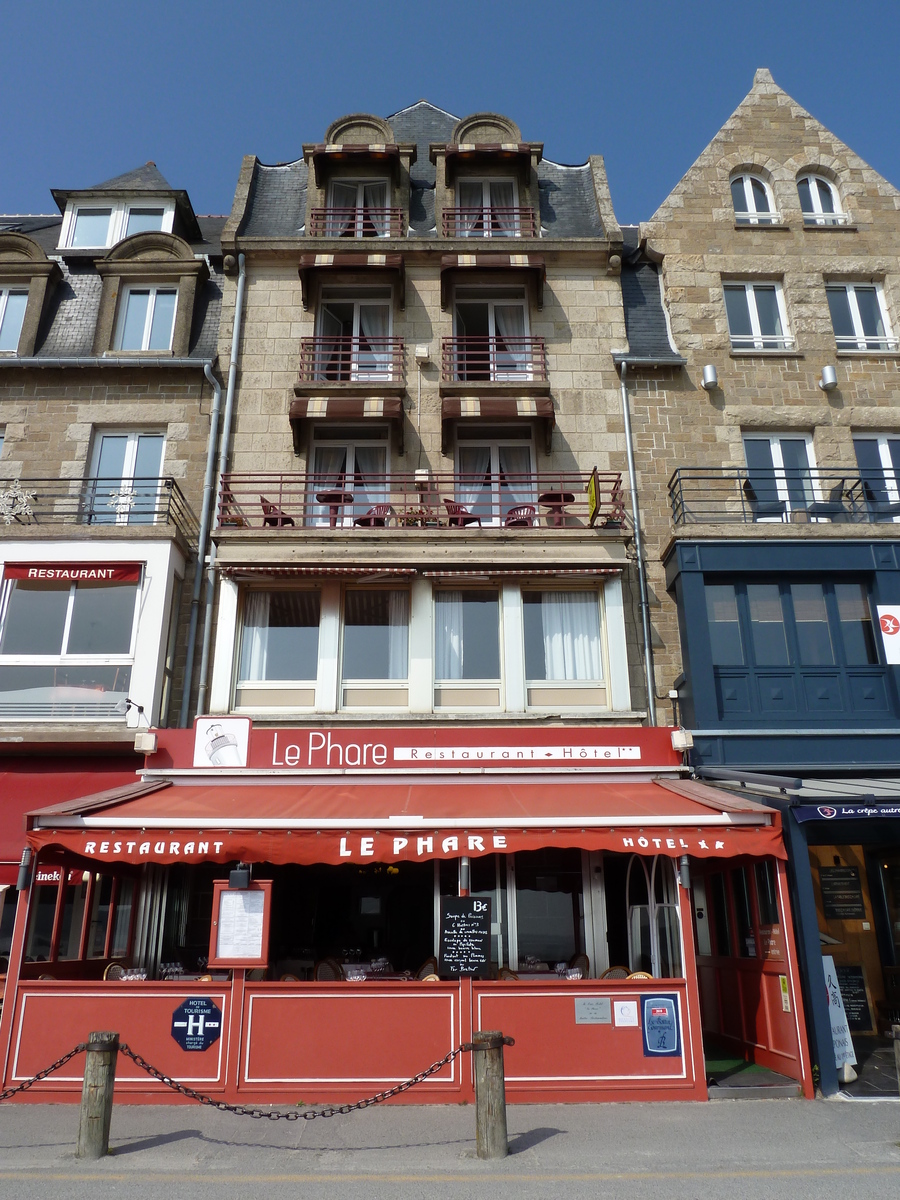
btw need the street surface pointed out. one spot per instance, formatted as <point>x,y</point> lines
<point>751,1149</point>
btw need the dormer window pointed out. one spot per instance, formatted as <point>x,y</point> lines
<point>753,201</point>
<point>96,226</point>
<point>358,208</point>
<point>487,208</point>
<point>13,302</point>
<point>147,318</point>
<point>819,201</point>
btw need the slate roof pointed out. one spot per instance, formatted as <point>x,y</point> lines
<point>645,318</point>
<point>277,203</point>
<point>146,178</point>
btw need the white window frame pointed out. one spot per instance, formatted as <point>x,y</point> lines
<point>323,437</point>
<point>154,290</point>
<point>498,505</point>
<point>574,685</point>
<point>360,184</point>
<point>816,215</point>
<point>494,298</point>
<point>487,207</point>
<point>859,340</point>
<point>122,506</point>
<point>356,372</point>
<point>751,216</point>
<point>891,474</point>
<point>756,339</point>
<point>375,683</point>
<point>774,440</point>
<point>5,293</point>
<point>118,220</point>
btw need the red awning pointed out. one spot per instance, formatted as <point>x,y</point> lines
<point>351,261</point>
<point>533,264</point>
<point>393,822</point>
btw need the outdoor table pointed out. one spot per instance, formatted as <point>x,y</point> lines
<point>556,502</point>
<point>335,501</point>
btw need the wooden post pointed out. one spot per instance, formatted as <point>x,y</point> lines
<point>895,1030</point>
<point>490,1096</point>
<point>97,1095</point>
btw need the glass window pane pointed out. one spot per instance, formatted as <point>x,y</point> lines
<point>549,906</point>
<point>122,922</point>
<point>767,311</point>
<point>13,316</point>
<point>134,321</point>
<point>724,627</point>
<point>839,307</point>
<point>806,204</point>
<point>102,618</point>
<point>163,321</point>
<point>795,457</point>
<point>96,942</point>
<point>761,470</point>
<point>745,938</point>
<point>857,630</point>
<point>376,634</point>
<point>487,879</point>
<point>738,195</point>
<point>562,635</point>
<point>760,198</point>
<point>738,312</point>
<point>721,918</point>
<point>35,617</point>
<point>281,636</point>
<point>467,635</point>
<point>40,928</point>
<point>871,472</point>
<point>110,461</point>
<point>826,196</point>
<point>811,617</point>
<point>141,220</point>
<point>767,625</point>
<point>870,312</point>
<point>91,227</point>
<point>766,893</point>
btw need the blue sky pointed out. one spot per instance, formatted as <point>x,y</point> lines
<point>94,87</point>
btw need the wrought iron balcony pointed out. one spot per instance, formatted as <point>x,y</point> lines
<point>493,359</point>
<point>736,495</point>
<point>97,501</point>
<point>357,222</point>
<point>344,359</point>
<point>421,500</point>
<point>488,222</point>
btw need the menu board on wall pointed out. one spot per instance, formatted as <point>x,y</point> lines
<point>852,983</point>
<point>465,935</point>
<point>239,936</point>
<point>842,894</point>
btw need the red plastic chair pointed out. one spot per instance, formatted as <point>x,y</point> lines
<point>458,515</point>
<point>273,515</point>
<point>376,517</point>
<point>520,517</point>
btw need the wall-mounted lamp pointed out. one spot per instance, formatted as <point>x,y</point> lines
<point>23,883</point>
<point>240,876</point>
<point>710,378</point>
<point>684,872</point>
<point>422,354</point>
<point>828,382</point>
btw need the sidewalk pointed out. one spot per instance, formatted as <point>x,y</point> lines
<point>757,1148</point>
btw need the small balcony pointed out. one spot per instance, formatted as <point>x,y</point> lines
<point>493,360</point>
<point>357,223</point>
<point>488,223</point>
<point>108,503</point>
<point>448,503</point>
<point>345,359</point>
<point>735,495</point>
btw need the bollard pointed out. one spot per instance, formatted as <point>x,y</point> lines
<point>895,1030</point>
<point>97,1095</point>
<point>490,1094</point>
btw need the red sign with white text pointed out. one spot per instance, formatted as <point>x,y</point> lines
<point>86,572</point>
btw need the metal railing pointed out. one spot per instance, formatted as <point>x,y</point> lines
<point>98,501</point>
<point>357,222</point>
<point>757,218</point>
<point>488,222</point>
<point>346,359</point>
<point>814,218</point>
<point>863,341</point>
<point>493,359</point>
<point>763,341</point>
<point>736,495</point>
<point>413,501</point>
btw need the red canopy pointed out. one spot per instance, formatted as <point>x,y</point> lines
<point>390,822</point>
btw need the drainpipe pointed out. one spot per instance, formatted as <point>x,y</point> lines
<point>203,541</point>
<point>224,447</point>
<point>639,552</point>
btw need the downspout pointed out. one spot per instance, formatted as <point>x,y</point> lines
<point>203,541</point>
<point>639,552</point>
<point>224,448</point>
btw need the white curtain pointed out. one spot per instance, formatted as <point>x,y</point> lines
<point>516,484</point>
<point>449,639</point>
<point>341,224</point>
<point>374,322</point>
<point>473,488</point>
<point>471,198</point>
<point>398,635</point>
<point>571,626</point>
<point>503,196</point>
<point>368,488</point>
<point>329,471</point>
<point>255,643</point>
<point>509,322</point>
<point>375,198</point>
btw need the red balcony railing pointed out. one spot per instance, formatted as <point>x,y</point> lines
<point>494,359</point>
<point>348,359</point>
<point>357,222</point>
<point>450,502</point>
<point>489,222</point>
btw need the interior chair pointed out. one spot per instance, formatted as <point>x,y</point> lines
<point>458,515</point>
<point>289,978</point>
<point>615,973</point>
<point>506,973</point>
<point>879,510</point>
<point>833,507</point>
<point>763,508</point>
<point>375,517</point>
<point>328,970</point>
<point>639,975</point>
<point>519,517</point>
<point>114,970</point>
<point>273,515</point>
<point>429,967</point>
<point>580,962</point>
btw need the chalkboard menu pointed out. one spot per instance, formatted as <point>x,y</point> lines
<point>465,935</point>
<point>853,992</point>
<point>842,895</point>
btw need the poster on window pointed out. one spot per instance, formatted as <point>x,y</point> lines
<point>889,624</point>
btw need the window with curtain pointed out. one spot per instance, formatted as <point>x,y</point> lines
<point>562,635</point>
<point>487,208</point>
<point>358,208</point>
<point>376,634</point>
<point>491,326</point>
<point>280,637</point>
<point>495,471</point>
<point>351,460</point>
<point>354,326</point>
<point>467,634</point>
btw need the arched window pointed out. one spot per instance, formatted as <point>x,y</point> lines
<point>753,201</point>
<point>819,201</point>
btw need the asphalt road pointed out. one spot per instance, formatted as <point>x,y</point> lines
<point>749,1149</point>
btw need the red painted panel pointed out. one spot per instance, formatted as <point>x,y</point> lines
<point>729,1000</point>
<point>52,1017</point>
<point>348,1035</point>
<point>753,1008</point>
<point>782,1025</point>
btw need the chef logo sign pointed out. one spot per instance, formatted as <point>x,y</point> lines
<point>889,624</point>
<point>196,1023</point>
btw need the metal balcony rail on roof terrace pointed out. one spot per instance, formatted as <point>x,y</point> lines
<point>488,222</point>
<point>736,495</point>
<point>346,359</point>
<point>357,222</point>
<point>445,502</point>
<point>97,501</point>
<point>493,360</point>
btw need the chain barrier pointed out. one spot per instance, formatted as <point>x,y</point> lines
<point>60,1062</point>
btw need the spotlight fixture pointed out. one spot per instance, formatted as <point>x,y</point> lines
<point>710,378</point>
<point>828,382</point>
